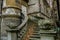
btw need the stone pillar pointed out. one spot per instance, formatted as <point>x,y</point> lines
<point>11,14</point>
<point>13,17</point>
<point>12,34</point>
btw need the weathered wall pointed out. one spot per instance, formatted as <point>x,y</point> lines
<point>39,6</point>
<point>33,6</point>
<point>47,7</point>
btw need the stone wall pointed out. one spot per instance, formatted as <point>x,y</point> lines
<point>33,6</point>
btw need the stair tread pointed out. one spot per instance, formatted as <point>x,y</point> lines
<point>35,33</point>
<point>34,37</point>
<point>37,30</point>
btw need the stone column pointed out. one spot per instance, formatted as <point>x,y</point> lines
<point>12,34</point>
<point>13,17</point>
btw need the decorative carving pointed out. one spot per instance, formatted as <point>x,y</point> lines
<point>12,22</point>
<point>46,24</point>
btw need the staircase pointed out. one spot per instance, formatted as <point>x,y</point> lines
<point>32,33</point>
<point>36,34</point>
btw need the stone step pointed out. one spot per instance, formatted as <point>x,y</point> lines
<point>37,30</point>
<point>34,36</point>
<point>34,39</point>
<point>36,33</point>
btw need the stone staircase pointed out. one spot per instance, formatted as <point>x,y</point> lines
<point>32,34</point>
<point>36,34</point>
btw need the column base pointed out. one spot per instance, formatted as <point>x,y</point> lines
<point>12,34</point>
